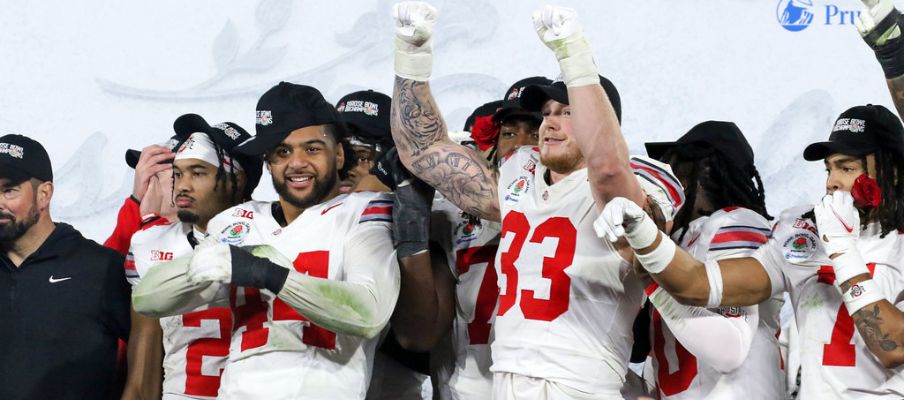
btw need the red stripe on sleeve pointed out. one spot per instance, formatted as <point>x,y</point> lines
<point>740,236</point>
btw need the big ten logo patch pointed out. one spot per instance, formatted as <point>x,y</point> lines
<point>161,255</point>
<point>241,213</point>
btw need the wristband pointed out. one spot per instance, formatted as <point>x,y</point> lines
<point>415,66</point>
<point>249,270</point>
<point>848,265</point>
<point>657,260</point>
<point>714,276</point>
<point>862,294</point>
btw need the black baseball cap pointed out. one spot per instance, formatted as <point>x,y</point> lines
<point>511,100</point>
<point>535,96</point>
<point>283,109</point>
<point>708,137</point>
<point>485,110</point>
<point>366,113</point>
<point>859,131</point>
<point>133,155</point>
<point>227,135</point>
<point>23,158</point>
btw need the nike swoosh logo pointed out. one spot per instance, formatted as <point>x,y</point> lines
<point>845,225</point>
<point>330,208</point>
<point>51,280</point>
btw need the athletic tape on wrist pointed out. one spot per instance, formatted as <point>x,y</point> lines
<point>657,260</point>
<point>579,70</point>
<point>714,276</point>
<point>861,295</point>
<point>643,234</point>
<point>849,265</point>
<point>414,66</point>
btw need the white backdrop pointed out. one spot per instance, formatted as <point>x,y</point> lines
<point>91,79</point>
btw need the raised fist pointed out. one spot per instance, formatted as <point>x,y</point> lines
<point>554,24</point>
<point>875,12</point>
<point>560,30</point>
<point>414,22</point>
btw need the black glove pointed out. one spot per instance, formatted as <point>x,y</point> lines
<point>249,270</point>
<point>411,207</point>
<point>891,52</point>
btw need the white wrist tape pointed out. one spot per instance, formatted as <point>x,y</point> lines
<point>657,260</point>
<point>643,234</point>
<point>579,70</point>
<point>849,265</point>
<point>714,276</point>
<point>861,295</point>
<point>414,65</point>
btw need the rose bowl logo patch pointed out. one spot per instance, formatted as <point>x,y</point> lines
<point>235,233</point>
<point>799,247</point>
<point>466,232</point>
<point>516,189</point>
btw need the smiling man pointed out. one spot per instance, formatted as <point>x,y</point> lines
<point>567,300</point>
<point>307,319</point>
<point>65,302</point>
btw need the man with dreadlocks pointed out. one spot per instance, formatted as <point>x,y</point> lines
<point>208,177</point>
<point>817,256</point>
<point>840,261</point>
<point>724,216</point>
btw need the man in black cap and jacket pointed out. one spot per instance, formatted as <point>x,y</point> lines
<point>65,300</point>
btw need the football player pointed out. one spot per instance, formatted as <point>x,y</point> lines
<point>208,177</point>
<point>308,313</point>
<point>567,301</point>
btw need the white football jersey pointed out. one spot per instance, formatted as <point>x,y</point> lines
<point>277,353</point>
<point>834,360</point>
<point>727,233</point>
<point>470,247</point>
<point>195,344</point>
<point>567,298</point>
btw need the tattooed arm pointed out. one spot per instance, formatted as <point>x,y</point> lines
<point>425,149</point>
<point>881,325</point>
<point>418,129</point>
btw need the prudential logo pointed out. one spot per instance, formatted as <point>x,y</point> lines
<point>794,15</point>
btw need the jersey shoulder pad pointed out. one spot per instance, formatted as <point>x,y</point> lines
<point>657,180</point>
<point>154,232</point>
<point>377,207</point>
<point>524,158</point>
<point>795,232</point>
<point>243,214</point>
<point>737,228</point>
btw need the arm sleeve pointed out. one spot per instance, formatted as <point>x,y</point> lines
<point>128,221</point>
<point>697,328</point>
<point>361,304</point>
<point>165,290</point>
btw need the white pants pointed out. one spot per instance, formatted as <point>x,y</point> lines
<point>508,386</point>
